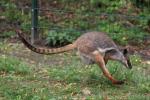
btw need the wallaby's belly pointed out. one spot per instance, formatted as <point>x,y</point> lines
<point>86,59</point>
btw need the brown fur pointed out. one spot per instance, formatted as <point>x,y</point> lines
<point>93,47</point>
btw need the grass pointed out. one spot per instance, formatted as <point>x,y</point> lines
<point>21,80</point>
<point>11,65</point>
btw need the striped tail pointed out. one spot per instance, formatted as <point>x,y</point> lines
<point>41,50</point>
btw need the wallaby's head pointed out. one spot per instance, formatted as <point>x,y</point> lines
<point>119,55</point>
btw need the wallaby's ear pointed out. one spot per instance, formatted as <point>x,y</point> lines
<point>125,51</point>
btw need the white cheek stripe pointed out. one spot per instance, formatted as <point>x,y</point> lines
<point>105,49</point>
<point>95,52</point>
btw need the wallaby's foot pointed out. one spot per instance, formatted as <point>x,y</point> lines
<point>118,82</point>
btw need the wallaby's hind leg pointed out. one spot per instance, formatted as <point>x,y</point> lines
<point>100,61</point>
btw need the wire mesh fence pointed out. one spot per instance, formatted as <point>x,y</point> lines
<point>77,17</point>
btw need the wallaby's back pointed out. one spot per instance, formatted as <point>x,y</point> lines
<point>91,41</point>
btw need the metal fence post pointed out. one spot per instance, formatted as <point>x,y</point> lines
<point>34,30</point>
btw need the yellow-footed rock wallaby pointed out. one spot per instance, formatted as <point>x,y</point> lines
<point>93,47</point>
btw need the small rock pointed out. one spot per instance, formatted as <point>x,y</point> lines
<point>86,91</point>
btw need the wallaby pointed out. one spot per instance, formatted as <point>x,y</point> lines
<point>92,47</point>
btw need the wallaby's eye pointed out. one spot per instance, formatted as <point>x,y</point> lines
<point>125,51</point>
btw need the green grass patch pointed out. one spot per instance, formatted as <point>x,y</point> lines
<point>71,80</point>
<point>13,65</point>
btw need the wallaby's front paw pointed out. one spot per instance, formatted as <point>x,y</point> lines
<point>118,82</point>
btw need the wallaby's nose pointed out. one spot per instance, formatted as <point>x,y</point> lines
<point>127,64</point>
